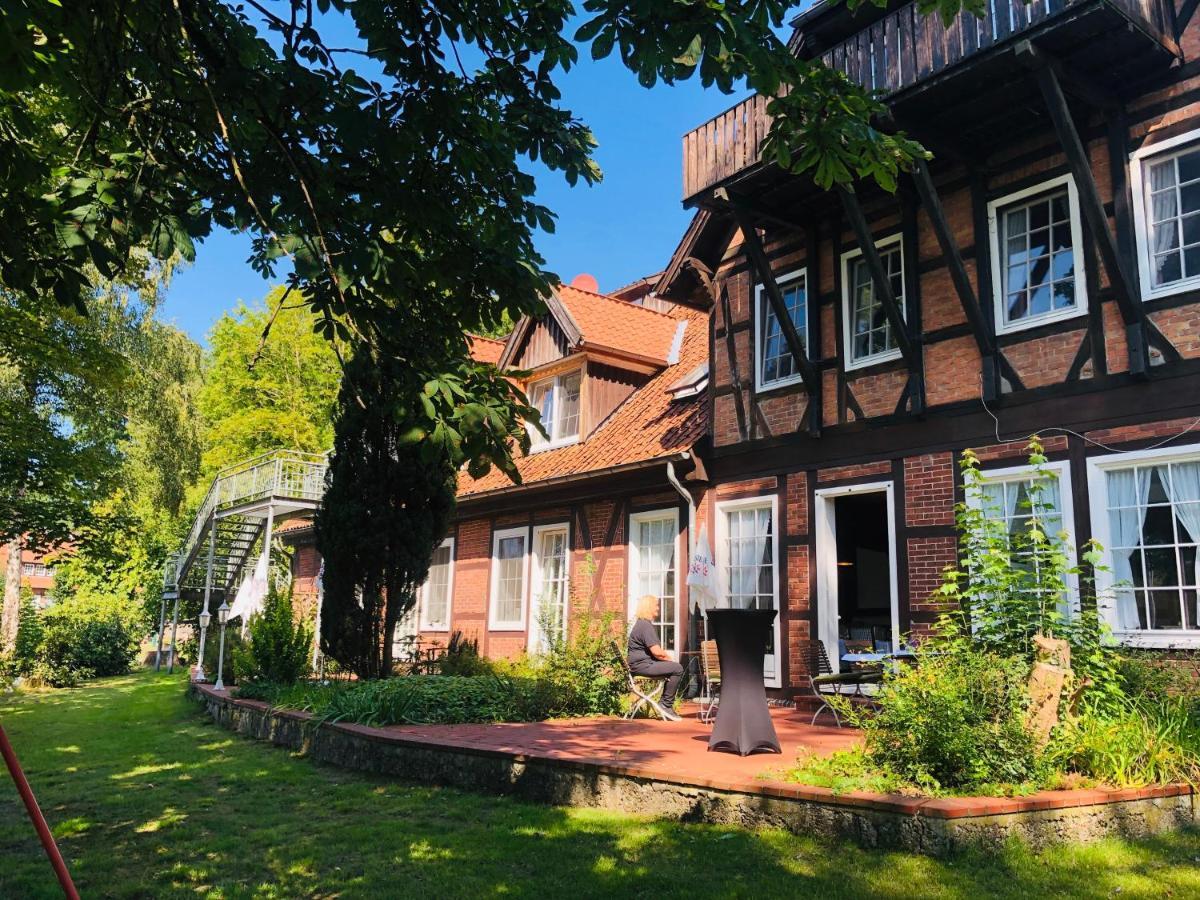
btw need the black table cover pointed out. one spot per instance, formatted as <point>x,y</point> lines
<point>743,720</point>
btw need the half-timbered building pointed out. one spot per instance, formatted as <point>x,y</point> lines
<point>1040,274</point>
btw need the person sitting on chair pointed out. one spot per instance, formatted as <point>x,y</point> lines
<point>647,659</point>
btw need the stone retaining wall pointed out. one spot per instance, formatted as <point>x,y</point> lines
<point>953,825</point>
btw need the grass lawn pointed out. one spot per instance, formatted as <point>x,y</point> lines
<point>148,799</point>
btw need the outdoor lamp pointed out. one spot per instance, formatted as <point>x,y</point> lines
<point>205,620</point>
<point>223,618</point>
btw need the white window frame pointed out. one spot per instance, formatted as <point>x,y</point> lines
<point>1097,467</point>
<point>535,582</point>
<point>760,312</point>
<point>998,246</point>
<point>425,623</point>
<point>537,442</point>
<point>775,679</point>
<point>634,556</point>
<point>495,624</point>
<point>1138,160</point>
<point>1061,470</point>
<point>848,259</point>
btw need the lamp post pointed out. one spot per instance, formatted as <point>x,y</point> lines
<point>222,618</point>
<point>205,620</point>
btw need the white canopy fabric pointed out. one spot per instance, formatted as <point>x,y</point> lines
<point>252,593</point>
<point>702,573</point>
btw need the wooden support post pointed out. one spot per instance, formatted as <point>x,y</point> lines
<point>760,263</point>
<point>1125,289</point>
<point>883,290</point>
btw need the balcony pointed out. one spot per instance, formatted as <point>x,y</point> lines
<point>922,68</point>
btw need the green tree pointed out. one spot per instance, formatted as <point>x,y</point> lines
<point>379,146</point>
<point>270,382</point>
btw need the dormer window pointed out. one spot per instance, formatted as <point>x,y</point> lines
<point>557,399</point>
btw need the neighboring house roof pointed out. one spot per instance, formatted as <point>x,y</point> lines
<point>484,349</point>
<point>651,423</point>
<point>604,325</point>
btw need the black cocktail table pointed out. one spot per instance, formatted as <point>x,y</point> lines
<point>743,720</point>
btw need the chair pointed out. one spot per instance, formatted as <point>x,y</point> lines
<point>861,633</point>
<point>710,664</point>
<point>826,683</point>
<point>645,699</point>
<point>882,637</point>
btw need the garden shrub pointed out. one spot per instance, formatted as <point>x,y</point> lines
<point>438,699</point>
<point>78,643</point>
<point>955,720</point>
<point>582,669</point>
<point>462,657</point>
<point>280,648</point>
<point>1144,741</point>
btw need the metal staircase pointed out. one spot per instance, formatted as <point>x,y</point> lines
<point>238,514</point>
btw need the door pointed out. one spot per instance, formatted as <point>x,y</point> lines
<point>857,597</point>
<point>548,601</point>
<point>748,559</point>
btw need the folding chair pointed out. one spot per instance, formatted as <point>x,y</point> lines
<point>645,699</point>
<point>825,683</point>
<point>710,664</point>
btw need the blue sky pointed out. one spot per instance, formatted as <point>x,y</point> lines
<point>618,231</point>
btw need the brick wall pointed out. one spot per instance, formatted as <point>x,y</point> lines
<point>929,490</point>
<point>1041,356</point>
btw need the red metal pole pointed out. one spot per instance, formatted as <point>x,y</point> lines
<point>35,815</point>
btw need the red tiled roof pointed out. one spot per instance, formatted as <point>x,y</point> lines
<point>606,323</point>
<point>650,424</point>
<point>485,350</point>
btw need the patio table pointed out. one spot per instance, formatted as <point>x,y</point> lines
<point>743,723</point>
<point>877,657</point>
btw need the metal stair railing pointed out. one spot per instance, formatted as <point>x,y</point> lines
<point>279,473</point>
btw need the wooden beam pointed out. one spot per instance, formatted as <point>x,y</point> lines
<point>883,289</point>
<point>1125,289</point>
<point>760,263</point>
<point>723,199</point>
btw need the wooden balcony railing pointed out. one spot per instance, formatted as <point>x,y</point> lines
<point>895,53</point>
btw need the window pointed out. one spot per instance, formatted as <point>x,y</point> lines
<point>557,399</point>
<point>551,585</point>
<point>747,558</point>
<point>1009,500</point>
<point>775,365</point>
<point>1037,255</point>
<point>1166,178</point>
<point>868,334</point>
<point>507,609</point>
<point>37,570</point>
<point>653,540</point>
<point>1148,514</point>
<point>438,589</point>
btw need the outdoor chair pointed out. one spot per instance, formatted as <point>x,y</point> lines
<point>710,664</point>
<point>643,698</point>
<point>826,683</point>
<point>861,633</point>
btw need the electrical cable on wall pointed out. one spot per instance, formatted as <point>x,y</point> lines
<point>1057,430</point>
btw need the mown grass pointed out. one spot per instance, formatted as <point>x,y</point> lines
<point>148,799</point>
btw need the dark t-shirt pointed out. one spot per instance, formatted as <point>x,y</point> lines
<point>642,637</point>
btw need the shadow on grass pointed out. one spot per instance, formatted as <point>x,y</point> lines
<point>148,799</point>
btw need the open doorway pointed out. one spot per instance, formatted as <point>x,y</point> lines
<point>863,582</point>
<point>857,605</point>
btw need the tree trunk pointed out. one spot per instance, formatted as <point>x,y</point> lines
<point>12,598</point>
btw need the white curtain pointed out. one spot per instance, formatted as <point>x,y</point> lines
<point>1184,491</point>
<point>1129,490</point>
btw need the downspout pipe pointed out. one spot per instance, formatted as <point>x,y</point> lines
<point>691,505</point>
